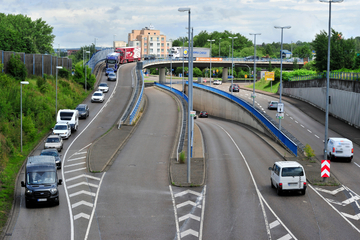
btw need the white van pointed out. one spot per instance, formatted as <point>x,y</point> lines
<point>337,148</point>
<point>70,116</point>
<point>288,176</point>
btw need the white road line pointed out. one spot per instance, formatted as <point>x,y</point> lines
<point>84,215</point>
<point>82,203</point>
<point>356,164</point>
<point>75,159</point>
<point>82,175</point>
<point>75,170</point>
<point>317,136</point>
<point>296,121</point>
<point>286,237</point>
<point>188,203</point>
<point>175,213</point>
<point>302,126</point>
<point>189,216</point>
<point>202,213</point>
<point>75,164</point>
<point>83,183</point>
<point>274,224</point>
<point>186,192</point>
<point>309,131</point>
<point>82,192</point>
<point>291,118</point>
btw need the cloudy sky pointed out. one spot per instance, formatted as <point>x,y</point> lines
<point>78,22</point>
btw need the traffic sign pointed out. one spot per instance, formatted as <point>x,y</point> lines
<point>280,115</point>
<point>192,113</point>
<point>280,108</point>
<point>325,168</point>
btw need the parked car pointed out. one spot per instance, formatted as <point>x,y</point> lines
<point>63,129</point>
<point>235,88</point>
<point>339,148</point>
<point>108,71</point>
<point>111,77</point>
<point>103,87</point>
<point>217,82</point>
<point>98,96</point>
<point>83,110</point>
<point>203,114</point>
<point>54,153</point>
<point>54,141</point>
<point>272,105</point>
<point>288,176</point>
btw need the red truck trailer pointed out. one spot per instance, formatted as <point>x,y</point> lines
<point>129,54</point>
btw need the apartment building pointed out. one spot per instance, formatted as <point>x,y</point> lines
<point>151,41</point>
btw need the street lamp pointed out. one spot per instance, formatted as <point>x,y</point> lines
<point>219,46</point>
<point>281,53</point>
<point>328,75</point>
<point>183,68</point>
<point>232,63</point>
<point>21,141</point>
<point>85,72</point>
<point>190,86</point>
<point>253,95</point>
<point>210,57</point>
<point>171,68</point>
<point>95,43</point>
<point>57,67</point>
<point>114,41</point>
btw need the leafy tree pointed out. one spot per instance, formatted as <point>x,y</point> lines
<point>17,68</point>
<point>20,34</point>
<point>357,61</point>
<point>302,51</point>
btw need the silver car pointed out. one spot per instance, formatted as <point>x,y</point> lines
<point>54,141</point>
<point>273,105</point>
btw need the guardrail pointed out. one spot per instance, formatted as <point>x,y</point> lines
<point>97,57</point>
<point>135,109</point>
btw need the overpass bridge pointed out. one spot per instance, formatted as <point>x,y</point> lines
<point>225,63</point>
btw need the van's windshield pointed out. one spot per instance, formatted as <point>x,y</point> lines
<point>36,178</point>
<point>292,171</point>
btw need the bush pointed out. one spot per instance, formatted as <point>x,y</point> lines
<point>182,157</point>
<point>64,73</point>
<point>309,152</point>
<point>17,68</point>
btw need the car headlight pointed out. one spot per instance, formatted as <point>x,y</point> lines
<point>28,192</point>
<point>53,191</point>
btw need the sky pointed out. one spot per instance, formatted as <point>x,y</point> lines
<point>80,23</point>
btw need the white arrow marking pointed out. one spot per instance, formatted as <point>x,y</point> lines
<point>336,191</point>
<point>78,153</point>
<point>187,203</point>
<point>354,217</point>
<point>75,164</point>
<point>82,175</point>
<point>274,224</point>
<point>286,237</point>
<point>74,159</point>
<point>186,192</point>
<point>189,231</point>
<point>189,216</point>
<point>346,202</point>
<point>82,203</point>
<point>84,215</point>
<point>83,183</point>
<point>75,170</point>
<point>82,192</point>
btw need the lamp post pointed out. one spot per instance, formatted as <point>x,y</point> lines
<point>232,63</point>
<point>21,139</point>
<point>171,68</point>
<point>253,95</point>
<point>85,72</point>
<point>183,68</point>
<point>212,40</point>
<point>219,46</point>
<point>57,67</point>
<point>114,41</point>
<point>190,85</point>
<point>281,53</point>
<point>95,43</point>
<point>328,75</point>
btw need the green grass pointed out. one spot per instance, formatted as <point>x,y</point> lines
<point>265,86</point>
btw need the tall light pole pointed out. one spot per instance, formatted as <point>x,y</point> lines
<point>183,68</point>
<point>232,63</point>
<point>85,72</point>
<point>114,42</point>
<point>57,67</point>
<point>171,68</point>
<point>21,138</point>
<point>219,46</point>
<point>190,97</point>
<point>212,40</point>
<point>253,95</point>
<point>95,43</point>
<point>281,53</point>
<point>328,75</point>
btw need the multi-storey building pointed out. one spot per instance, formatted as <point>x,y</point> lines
<point>151,41</point>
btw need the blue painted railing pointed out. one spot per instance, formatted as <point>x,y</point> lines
<point>172,90</point>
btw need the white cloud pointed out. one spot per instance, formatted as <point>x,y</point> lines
<point>78,23</point>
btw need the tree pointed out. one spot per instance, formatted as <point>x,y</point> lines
<point>20,34</point>
<point>302,51</point>
<point>17,68</point>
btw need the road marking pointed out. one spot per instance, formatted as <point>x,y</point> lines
<point>83,215</point>
<point>286,237</point>
<point>75,170</point>
<point>188,232</point>
<point>82,203</point>
<point>356,164</point>
<point>82,192</point>
<point>317,136</point>
<point>291,118</point>
<point>202,213</point>
<point>187,216</point>
<point>75,159</point>
<point>302,126</point>
<point>274,224</point>
<point>309,131</point>
<point>296,121</point>
<point>83,183</point>
<point>334,192</point>
<point>345,202</point>
<point>353,217</point>
<point>186,192</point>
<point>188,203</point>
<point>82,175</point>
<point>75,164</point>
<point>175,213</point>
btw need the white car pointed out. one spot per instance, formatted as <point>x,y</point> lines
<point>63,129</point>
<point>338,148</point>
<point>98,96</point>
<point>288,176</point>
<point>217,82</point>
<point>103,87</point>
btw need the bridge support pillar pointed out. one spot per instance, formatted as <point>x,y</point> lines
<point>225,74</point>
<point>162,77</point>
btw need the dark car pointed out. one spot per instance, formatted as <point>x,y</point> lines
<point>108,71</point>
<point>84,110</point>
<point>203,114</point>
<point>112,77</point>
<point>150,57</point>
<point>54,153</point>
<point>235,88</point>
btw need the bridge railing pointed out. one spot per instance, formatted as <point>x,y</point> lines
<point>97,57</point>
<point>140,81</point>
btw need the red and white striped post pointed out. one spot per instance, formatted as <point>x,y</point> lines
<point>325,168</point>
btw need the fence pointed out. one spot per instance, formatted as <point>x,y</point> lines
<point>37,64</point>
<point>97,57</point>
<point>333,75</point>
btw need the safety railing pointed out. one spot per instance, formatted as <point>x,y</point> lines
<point>97,57</point>
<point>333,75</point>
<point>137,105</point>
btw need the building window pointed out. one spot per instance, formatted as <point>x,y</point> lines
<point>158,44</point>
<point>158,50</point>
<point>151,44</point>
<point>145,50</point>
<point>155,33</point>
<point>157,38</point>
<point>145,44</point>
<point>162,44</point>
<point>151,51</point>
<point>162,50</point>
<point>150,38</point>
<point>162,39</point>
<point>145,38</point>
<point>167,44</point>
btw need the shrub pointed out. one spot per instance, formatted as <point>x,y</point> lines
<point>17,68</point>
<point>64,73</point>
<point>309,152</point>
<point>182,157</point>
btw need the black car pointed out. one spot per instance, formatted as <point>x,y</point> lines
<point>235,88</point>
<point>150,57</point>
<point>203,114</point>
<point>54,153</point>
<point>83,110</point>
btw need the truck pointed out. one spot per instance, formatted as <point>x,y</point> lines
<point>113,61</point>
<point>129,54</point>
<point>41,181</point>
<point>180,52</point>
<point>69,116</point>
